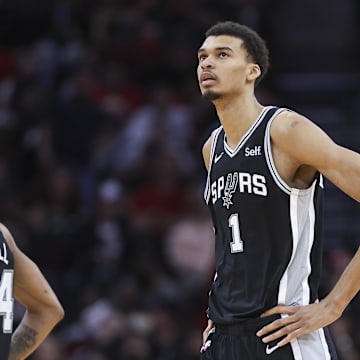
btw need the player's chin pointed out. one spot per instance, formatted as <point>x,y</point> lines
<point>211,95</point>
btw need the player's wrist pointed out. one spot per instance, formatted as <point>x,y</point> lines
<point>334,305</point>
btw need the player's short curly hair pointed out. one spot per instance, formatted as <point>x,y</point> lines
<point>254,45</point>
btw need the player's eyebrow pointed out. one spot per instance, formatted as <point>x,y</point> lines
<point>219,48</point>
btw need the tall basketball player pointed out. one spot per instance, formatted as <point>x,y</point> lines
<point>21,279</point>
<point>264,189</point>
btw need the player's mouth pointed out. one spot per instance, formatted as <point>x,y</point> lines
<point>207,78</point>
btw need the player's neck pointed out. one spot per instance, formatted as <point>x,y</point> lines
<point>237,116</point>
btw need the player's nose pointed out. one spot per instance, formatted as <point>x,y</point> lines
<point>207,63</point>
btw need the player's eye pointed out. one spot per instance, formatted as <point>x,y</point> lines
<point>223,55</point>
<point>202,57</point>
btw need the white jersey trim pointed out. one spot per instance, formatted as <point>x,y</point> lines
<point>269,158</point>
<point>227,148</point>
<point>233,152</point>
<point>303,221</point>
<point>215,133</point>
<point>324,344</point>
<point>271,164</point>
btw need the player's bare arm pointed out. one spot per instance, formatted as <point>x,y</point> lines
<point>43,309</point>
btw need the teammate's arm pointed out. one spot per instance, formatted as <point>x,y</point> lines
<point>43,309</point>
<point>302,320</point>
<point>308,145</point>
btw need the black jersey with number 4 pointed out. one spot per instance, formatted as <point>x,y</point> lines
<point>6,297</point>
<point>267,234</point>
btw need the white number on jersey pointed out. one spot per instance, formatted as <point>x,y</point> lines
<point>237,244</point>
<point>7,300</point>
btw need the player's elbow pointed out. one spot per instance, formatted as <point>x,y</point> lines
<point>53,313</point>
<point>58,312</point>
<point>45,316</point>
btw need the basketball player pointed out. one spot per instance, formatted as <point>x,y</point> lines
<point>264,189</point>
<point>21,279</point>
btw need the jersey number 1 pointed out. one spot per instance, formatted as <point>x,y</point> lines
<point>237,245</point>
<point>7,300</point>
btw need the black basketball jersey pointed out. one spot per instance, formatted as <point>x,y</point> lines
<point>6,297</point>
<point>267,235</point>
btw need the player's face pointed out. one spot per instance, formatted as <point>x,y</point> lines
<point>223,67</point>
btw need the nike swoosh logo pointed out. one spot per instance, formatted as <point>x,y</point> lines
<point>269,350</point>
<point>218,157</point>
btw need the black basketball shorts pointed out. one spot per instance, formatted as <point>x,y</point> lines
<point>239,342</point>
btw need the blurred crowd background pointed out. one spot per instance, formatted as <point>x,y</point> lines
<point>101,174</point>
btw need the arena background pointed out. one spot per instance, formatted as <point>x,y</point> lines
<point>101,177</point>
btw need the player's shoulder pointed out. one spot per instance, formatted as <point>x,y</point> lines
<point>288,123</point>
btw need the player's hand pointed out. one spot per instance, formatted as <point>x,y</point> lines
<point>210,326</point>
<point>300,320</point>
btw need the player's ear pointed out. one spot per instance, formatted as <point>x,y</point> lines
<point>253,72</point>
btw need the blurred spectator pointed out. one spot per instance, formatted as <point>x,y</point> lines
<point>189,250</point>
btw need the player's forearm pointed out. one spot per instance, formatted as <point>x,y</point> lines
<point>24,341</point>
<point>30,333</point>
<point>347,286</point>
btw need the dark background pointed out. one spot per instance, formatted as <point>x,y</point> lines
<point>101,175</point>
